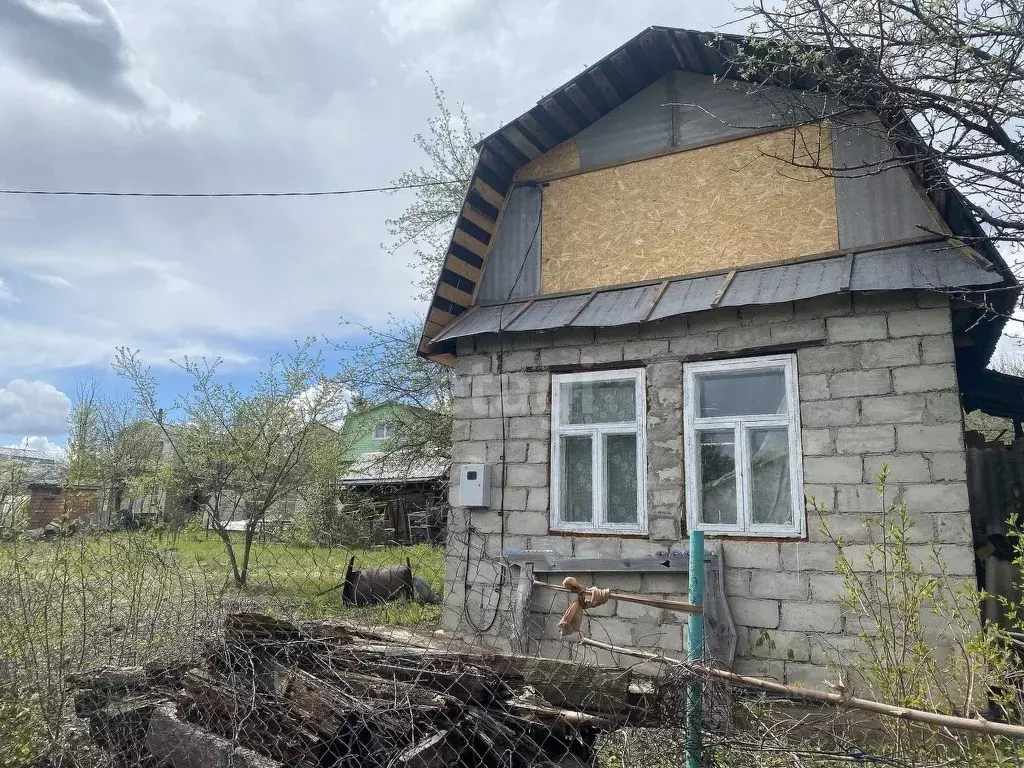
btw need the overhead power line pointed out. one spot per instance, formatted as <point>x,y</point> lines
<point>312,193</point>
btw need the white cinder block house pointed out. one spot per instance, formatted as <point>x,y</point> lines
<point>659,323</point>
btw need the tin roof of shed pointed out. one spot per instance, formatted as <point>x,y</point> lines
<point>932,265</point>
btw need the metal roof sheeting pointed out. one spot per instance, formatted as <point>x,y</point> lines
<point>920,266</point>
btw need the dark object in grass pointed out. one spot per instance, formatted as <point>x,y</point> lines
<point>372,586</point>
<point>423,592</point>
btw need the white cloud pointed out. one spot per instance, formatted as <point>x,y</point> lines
<point>41,444</point>
<point>5,292</point>
<point>411,17</point>
<point>33,407</point>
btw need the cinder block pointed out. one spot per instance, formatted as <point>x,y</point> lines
<point>824,618</point>
<point>751,612</point>
<point>737,582</point>
<point>694,344</point>
<point>762,314</point>
<point>467,451</point>
<point>527,475</point>
<point>956,560</point>
<point>920,437</point>
<point>537,500</point>
<point>948,466</point>
<point>833,469</point>
<point>861,440</point>
<point>798,330</point>
<point>827,587</point>
<point>800,556</point>
<point>508,405</point>
<point>820,496</point>
<point>937,349</point>
<point>953,528</point>
<point>919,322</point>
<point>942,407</point>
<point>924,378</point>
<point>829,358</point>
<point>883,302</point>
<point>471,407</point>
<point>572,337</point>
<point>518,360</point>
<point>859,498</point>
<point>894,409</point>
<point>540,404</point>
<point>512,499</point>
<point>817,442</point>
<point>635,611</point>
<point>596,354</point>
<point>830,413</point>
<point>788,645</point>
<point>744,337</point>
<point>889,354</point>
<point>848,527</point>
<point>663,529</point>
<point>529,428</point>
<point>528,523</point>
<point>903,468</point>
<point>644,350</point>
<point>713,320</point>
<point>860,383</point>
<point>560,356</point>
<point>762,555</point>
<point>936,497</point>
<point>805,675</point>
<point>779,585</point>
<point>857,328</point>
<point>485,429</point>
<point>462,386</point>
<point>667,637</point>
<point>814,387</point>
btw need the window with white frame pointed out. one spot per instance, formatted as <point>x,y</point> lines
<point>597,451</point>
<point>383,430</point>
<point>742,431</point>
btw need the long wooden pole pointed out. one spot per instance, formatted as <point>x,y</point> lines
<point>654,602</point>
<point>976,725</point>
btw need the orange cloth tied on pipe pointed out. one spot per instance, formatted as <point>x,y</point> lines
<point>592,597</point>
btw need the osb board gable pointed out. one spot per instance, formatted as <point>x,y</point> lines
<point>564,157</point>
<point>728,205</point>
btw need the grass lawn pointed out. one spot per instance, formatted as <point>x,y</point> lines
<point>285,579</point>
<point>296,577</point>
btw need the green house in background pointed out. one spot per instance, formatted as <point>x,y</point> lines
<point>409,491</point>
<point>368,430</point>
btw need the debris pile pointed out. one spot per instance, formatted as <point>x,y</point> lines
<point>325,694</point>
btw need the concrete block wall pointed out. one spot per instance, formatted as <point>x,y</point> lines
<point>877,386</point>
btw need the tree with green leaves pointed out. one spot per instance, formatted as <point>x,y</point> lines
<point>240,454</point>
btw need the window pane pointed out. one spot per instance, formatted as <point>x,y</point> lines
<point>718,476</point>
<point>621,479</point>
<point>598,402</point>
<point>769,476</point>
<point>577,503</point>
<point>742,394</point>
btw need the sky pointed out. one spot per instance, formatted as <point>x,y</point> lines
<point>237,95</point>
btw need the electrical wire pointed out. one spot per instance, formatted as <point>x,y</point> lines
<point>481,629</point>
<point>301,193</point>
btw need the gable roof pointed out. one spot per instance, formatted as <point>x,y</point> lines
<point>581,102</point>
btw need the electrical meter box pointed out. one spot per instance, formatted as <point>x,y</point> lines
<point>475,485</point>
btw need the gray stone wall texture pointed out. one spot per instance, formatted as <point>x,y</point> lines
<point>877,387</point>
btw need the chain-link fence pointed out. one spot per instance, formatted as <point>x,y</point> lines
<point>139,648</point>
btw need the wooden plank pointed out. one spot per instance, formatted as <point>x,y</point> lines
<point>576,95</point>
<point>481,220</point>
<point>847,273</point>
<point>488,193</point>
<point>440,317</point>
<point>723,288</point>
<point>470,243</point>
<point>453,294</point>
<point>560,116</point>
<point>447,360</point>
<point>572,318</point>
<point>520,142</point>
<point>462,268</point>
<point>657,297</point>
<point>521,607</point>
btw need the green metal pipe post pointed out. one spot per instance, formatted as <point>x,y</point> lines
<point>695,649</point>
